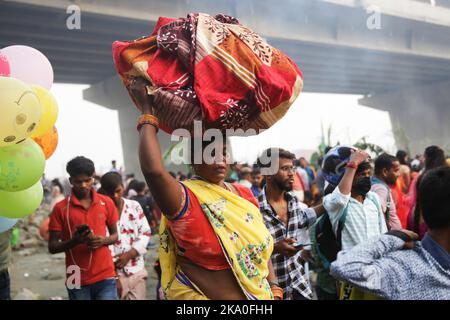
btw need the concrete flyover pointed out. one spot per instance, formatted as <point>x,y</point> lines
<point>394,67</point>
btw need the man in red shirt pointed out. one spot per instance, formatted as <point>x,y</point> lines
<point>78,227</point>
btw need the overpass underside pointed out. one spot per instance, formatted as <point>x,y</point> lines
<point>403,67</point>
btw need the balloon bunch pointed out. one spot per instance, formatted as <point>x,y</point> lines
<point>28,112</point>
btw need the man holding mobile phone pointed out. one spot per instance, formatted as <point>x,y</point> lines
<point>284,216</point>
<point>78,227</point>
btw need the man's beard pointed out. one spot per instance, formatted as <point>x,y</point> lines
<point>81,194</point>
<point>285,186</point>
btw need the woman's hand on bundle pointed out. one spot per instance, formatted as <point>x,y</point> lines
<point>138,91</point>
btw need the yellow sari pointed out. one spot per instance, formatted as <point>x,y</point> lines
<point>349,292</point>
<point>245,241</point>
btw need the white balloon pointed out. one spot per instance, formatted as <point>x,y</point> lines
<point>29,65</point>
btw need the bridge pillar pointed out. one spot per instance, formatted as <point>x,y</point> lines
<point>420,115</point>
<point>111,94</point>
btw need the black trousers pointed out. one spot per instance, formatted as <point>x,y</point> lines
<point>298,296</point>
<point>5,288</point>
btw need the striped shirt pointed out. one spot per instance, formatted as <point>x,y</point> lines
<point>364,220</point>
<point>289,270</point>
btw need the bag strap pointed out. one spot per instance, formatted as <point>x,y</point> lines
<point>378,206</point>
<point>341,224</point>
<point>388,200</point>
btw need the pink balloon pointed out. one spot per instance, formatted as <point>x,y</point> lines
<point>4,66</point>
<point>29,65</point>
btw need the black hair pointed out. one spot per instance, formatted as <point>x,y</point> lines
<point>256,171</point>
<point>384,161</point>
<point>110,181</point>
<point>434,157</point>
<point>434,197</point>
<point>102,191</point>
<point>282,154</point>
<point>139,186</point>
<point>131,186</point>
<point>363,166</point>
<point>401,156</point>
<point>80,165</point>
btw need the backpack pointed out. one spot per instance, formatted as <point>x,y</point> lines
<point>326,244</point>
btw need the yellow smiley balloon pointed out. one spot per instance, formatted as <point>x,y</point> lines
<point>20,111</point>
<point>49,111</point>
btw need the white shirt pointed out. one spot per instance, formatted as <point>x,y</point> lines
<point>246,183</point>
<point>364,220</point>
<point>134,232</point>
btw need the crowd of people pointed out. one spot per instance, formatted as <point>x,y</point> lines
<point>380,229</point>
<point>369,228</point>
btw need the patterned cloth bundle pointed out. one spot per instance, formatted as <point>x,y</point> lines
<point>211,69</point>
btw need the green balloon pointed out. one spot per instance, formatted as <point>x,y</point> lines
<point>21,165</point>
<point>19,204</point>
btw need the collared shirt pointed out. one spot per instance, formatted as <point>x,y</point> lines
<point>364,220</point>
<point>134,233</point>
<point>95,265</point>
<point>289,270</point>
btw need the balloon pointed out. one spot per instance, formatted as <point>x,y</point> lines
<point>4,66</point>
<point>20,111</point>
<point>43,229</point>
<point>49,111</point>
<point>48,142</point>
<point>6,224</point>
<point>29,65</point>
<point>21,203</point>
<point>21,165</point>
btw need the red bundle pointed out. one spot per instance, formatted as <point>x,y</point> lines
<point>211,69</point>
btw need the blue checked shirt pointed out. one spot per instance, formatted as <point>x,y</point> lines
<point>289,270</point>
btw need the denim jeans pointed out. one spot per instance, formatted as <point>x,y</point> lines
<point>102,290</point>
<point>5,289</point>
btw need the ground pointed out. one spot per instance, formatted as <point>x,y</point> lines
<point>44,274</point>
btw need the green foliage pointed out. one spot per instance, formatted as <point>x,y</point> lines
<point>368,147</point>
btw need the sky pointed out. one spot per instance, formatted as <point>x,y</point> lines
<point>93,131</point>
<point>85,129</point>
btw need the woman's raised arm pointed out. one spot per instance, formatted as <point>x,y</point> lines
<point>165,189</point>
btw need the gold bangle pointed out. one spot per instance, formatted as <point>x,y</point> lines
<point>147,119</point>
<point>277,292</point>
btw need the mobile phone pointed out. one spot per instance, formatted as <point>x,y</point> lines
<point>297,245</point>
<point>82,228</point>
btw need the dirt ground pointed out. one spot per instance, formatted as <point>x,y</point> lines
<point>43,274</point>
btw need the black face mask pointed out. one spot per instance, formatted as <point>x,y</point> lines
<point>362,186</point>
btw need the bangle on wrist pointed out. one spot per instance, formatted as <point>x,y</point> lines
<point>273,284</point>
<point>277,292</point>
<point>147,119</point>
